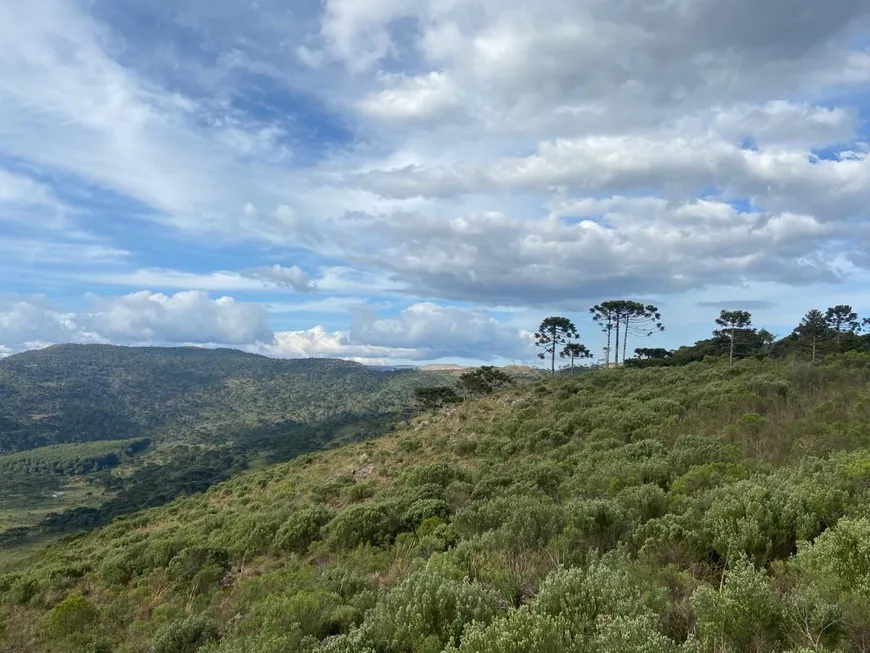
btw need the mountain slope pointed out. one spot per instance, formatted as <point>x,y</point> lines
<point>76,393</point>
<point>703,508</point>
<point>203,415</point>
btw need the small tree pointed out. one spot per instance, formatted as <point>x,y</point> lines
<point>432,398</point>
<point>574,351</point>
<point>554,331</point>
<point>812,329</point>
<point>484,380</point>
<point>733,323</point>
<point>841,319</point>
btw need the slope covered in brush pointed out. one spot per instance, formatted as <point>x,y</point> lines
<point>700,508</point>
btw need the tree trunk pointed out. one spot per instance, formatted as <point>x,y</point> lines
<point>553,355</point>
<point>625,338</point>
<point>616,357</point>
<point>731,351</point>
<point>607,351</point>
<point>814,347</point>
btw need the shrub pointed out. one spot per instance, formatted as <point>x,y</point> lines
<point>635,633</point>
<point>185,566</point>
<point>764,518</point>
<point>520,632</point>
<point>423,509</point>
<point>301,529</point>
<point>427,611</point>
<point>369,523</point>
<point>604,587</point>
<point>72,616</point>
<point>743,615</point>
<point>186,636</point>
<point>22,590</point>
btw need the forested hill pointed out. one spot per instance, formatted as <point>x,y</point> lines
<point>704,508</point>
<point>78,393</point>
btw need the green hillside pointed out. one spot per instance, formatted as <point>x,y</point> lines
<point>80,393</point>
<point>67,414</point>
<point>698,508</point>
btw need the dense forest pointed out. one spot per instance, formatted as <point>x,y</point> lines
<point>80,393</point>
<point>702,507</point>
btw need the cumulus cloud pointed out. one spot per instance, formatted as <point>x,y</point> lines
<point>138,318</point>
<point>435,331</point>
<point>317,342</point>
<point>593,248</point>
<point>188,316</point>
<point>506,154</point>
<point>424,331</point>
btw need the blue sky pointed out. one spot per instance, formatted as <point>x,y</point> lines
<point>425,180</point>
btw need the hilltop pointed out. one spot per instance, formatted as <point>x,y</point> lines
<point>699,508</point>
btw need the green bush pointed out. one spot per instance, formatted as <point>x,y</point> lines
<point>427,611</point>
<point>743,616</point>
<point>72,616</point>
<point>190,562</point>
<point>186,636</point>
<point>606,587</point>
<point>369,523</point>
<point>523,631</point>
<point>301,529</point>
<point>22,590</point>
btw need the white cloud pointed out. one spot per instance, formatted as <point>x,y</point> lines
<point>435,331</point>
<point>17,189</point>
<point>594,248</point>
<point>482,151</point>
<point>421,332</point>
<point>433,95</point>
<point>138,318</point>
<point>183,317</point>
<point>250,279</point>
<point>316,342</point>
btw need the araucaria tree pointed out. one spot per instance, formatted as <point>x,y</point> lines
<point>554,331</point>
<point>433,398</point>
<point>605,317</point>
<point>812,329</point>
<point>484,380</point>
<point>733,324</point>
<point>624,316</point>
<point>841,319</point>
<point>575,351</point>
<point>640,320</point>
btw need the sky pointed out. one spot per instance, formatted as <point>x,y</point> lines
<point>408,181</point>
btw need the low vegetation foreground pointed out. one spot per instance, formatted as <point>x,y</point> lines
<point>699,508</point>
